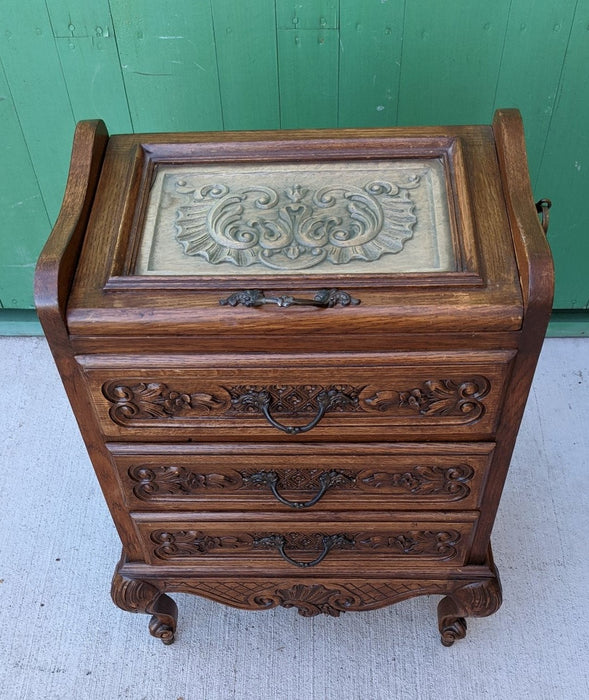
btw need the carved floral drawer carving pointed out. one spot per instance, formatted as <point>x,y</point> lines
<point>295,545</point>
<point>450,399</point>
<point>416,477</point>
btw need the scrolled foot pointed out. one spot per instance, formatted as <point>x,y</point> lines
<point>136,595</point>
<point>475,599</point>
<point>160,630</point>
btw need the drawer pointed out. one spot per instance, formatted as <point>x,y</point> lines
<point>302,477</point>
<point>378,542</point>
<point>408,396</point>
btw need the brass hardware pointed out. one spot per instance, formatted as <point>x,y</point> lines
<point>326,400</point>
<point>543,207</point>
<point>279,542</point>
<point>326,480</point>
<point>324,299</point>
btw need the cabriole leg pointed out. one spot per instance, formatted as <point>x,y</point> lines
<point>477,599</point>
<point>136,595</point>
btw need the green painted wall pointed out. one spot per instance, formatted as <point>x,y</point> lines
<point>163,65</point>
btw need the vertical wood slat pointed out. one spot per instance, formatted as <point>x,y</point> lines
<point>245,41</point>
<point>24,221</point>
<point>87,48</point>
<point>169,66</point>
<point>451,61</point>
<point>371,39</point>
<point>91,68</point>
<point>564,171</point>
<point>34,74</point>
<point>307,14</point>
<point>535,47</point>
<point>308,69</point>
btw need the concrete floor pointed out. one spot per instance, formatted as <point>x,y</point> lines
<point>62,637</point>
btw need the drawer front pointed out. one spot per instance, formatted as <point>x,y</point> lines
<point>443,396</point>
<point>302,477</point>
<point>321,545</point>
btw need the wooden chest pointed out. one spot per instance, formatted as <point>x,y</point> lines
<point>299,360</point>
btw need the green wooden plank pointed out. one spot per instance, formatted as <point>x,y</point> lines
<point>34,75</point>
<point>19,322</point>
<point>308,69</point>
<point>371,39</point>
<point>307,14</point>
<point>89,58</point>
<point>94,81</point>
<point>535,47</point>
<point>167,54</point>
<point>565,324</point>
<point>79,18</point>
<point>25,224</point>
<point>564,172</point>
<point>451,58</point>
<point>245,39</point>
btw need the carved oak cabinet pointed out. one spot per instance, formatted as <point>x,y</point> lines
<point>299,360</point>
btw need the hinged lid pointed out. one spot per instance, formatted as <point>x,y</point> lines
<point>407,228</point>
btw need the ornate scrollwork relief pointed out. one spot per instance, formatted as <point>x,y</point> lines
<point>146,401</point>
<point>311,599</point>
<point>435,397</point>
<point>179,544</point>
<point>154,482</point>
<point>159,481</point>
<point>155,400</point>
<point>294,227</point>
<point>422,480</point>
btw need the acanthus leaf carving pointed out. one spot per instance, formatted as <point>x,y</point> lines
<point>159,481</point>
<point>443,397</point>
<point>423,480</point>
<point>462,399</point>
<point>311,599</point>
<point>434,397</point>
<point>295,227</point>
<point>175,544</point>
<point>155,482</point>
<point>156,400</point>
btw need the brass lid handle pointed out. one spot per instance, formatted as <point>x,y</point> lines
<point>324,299</point>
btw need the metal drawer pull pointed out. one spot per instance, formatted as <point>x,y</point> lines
<point>326,480</point>
<point>326,400</point>
<point>324,299</point>
<point>279,542</point>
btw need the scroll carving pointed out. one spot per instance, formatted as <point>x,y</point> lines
<point>156,400</point>
<point>443,397</point>
<point>138,596</point>
<point>295,227</point>
<point>169,480</point>
<point>310,600</point>
<point>462,400</point>
<point>476,599</point>
<point>189,543</point>
<point>195,543</point>
<point>430,480</point>
<point>435,397</point>
<point>154,481</point>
